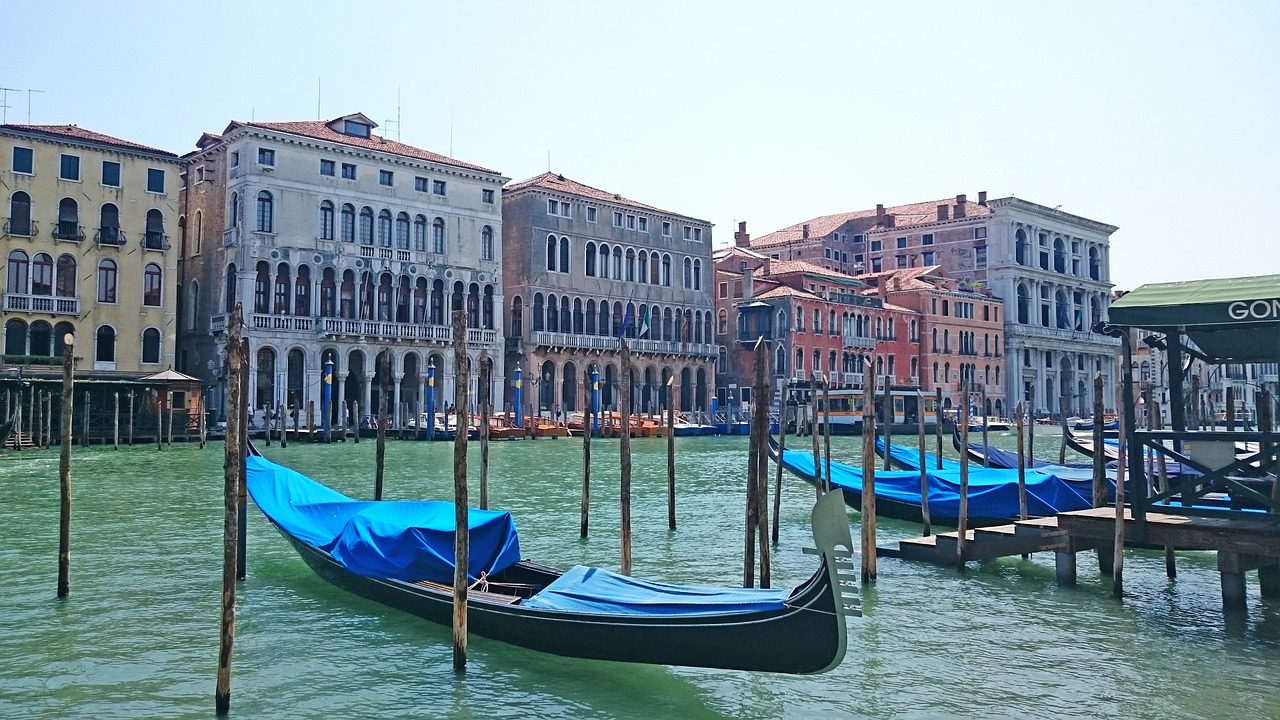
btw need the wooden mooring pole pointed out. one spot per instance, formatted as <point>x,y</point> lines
<point>380,456</point>
<point>231,516</point>
<point>814,433</point>
<point>1022,467</point>
<point>355,417</point>
<point>1099,448</point>
<point>782,448</point>
<point>886,402</point>
<point>924,468</point>
<point>242,498</point>
<point>760,419</point>
<point>130,418</point>
<point>1062,446</point>
<point>115,421</point>
<point>484,389</point>
<point>586,450</point>
<point>85,418</point>
<point>963,519</point>
<point>1117,563</point>
<point>937,422</point>
<point>64,469</point>
<point>625,450</point>
<point>826,433</point>
<point>461,536</point>
<point>671,452</point>
<point>869,475</point>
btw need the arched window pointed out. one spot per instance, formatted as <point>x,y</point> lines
<point>106,344</point>
<point>262,288</point>
<point>697,274</point>
<point>420,233</point>
<point>553,314</point>
<point>1095,264</point>
<point>68,220</point>
<point>348,227</point>
<point>153,238</point>
<point>402,231</point>
<point>235,210</point>
<point>473,306</point>
<point>552,245</point>
<point>266,212</point>
<point>589,266</point>
<point>722,322</point>
<point>109,226</point>
<point>617,262</point>
<point>577,316</point>
<point>283,288</point>
<point>19,266</point>
<point>564,254</point>
<point>41,335</point>
<point>631,265</point>
<point>1024,305</point>
<point>20,215</point>
<point>151,345</point>
<point>366,225</point>
<point>642,272</point>
<point>152,285</point>
<point>229,292</point>
<point>65,282</point>
<point>437,236</point>
<point>538,310</point>
<point>42,274</point>
<point>666,270</point>
<point>302,292</point>
<point>1020,246</point>
<point>486,243</point>
<point>107,276</point>
<point>437,302</point>
<point>326,220</point>
<point>193,305</point>
<point>589,324</point>
<point>384,229</point>
<point>199,234</point>
<point>486,308</point>
<point>688,273</point>
<point>15,337</point>
<point>603,269</point>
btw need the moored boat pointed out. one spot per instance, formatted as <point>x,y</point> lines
<point>400,553</point>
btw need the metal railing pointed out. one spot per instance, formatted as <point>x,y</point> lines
<point>63,230</point>
<point>111,236</point>
<point>22,228</point>
<point>152,240</point>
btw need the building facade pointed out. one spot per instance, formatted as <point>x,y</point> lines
<point>583,267</point>
<point>1051,270</point>
<point>86,235</point>
<point>341,246</point>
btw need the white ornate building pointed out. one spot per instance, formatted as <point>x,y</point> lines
<point>341,245</point>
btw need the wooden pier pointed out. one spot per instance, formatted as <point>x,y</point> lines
<point>1242,545</point>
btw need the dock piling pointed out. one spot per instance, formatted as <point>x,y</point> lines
<point>64,469</point>
<point>937,423</point>
<point>115,421</point>
<point>826,432</point>
<point>588,415</point>
<point>671,452</point>
<point>231,479</point>
<point>380,455</point>
<point>924,468</point>
<point>485,391</point>
<point>869,475</point>
<point>782,448</point>
<point>625,451</point>
<point>963,518</point>
<point>886,402</point>
<point>461,537</point>
<point>760,421</point>
<point>1117,563</point>
<point>818,482</point>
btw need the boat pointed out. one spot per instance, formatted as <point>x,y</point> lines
<point>993,495</point>
<point>400,553</point>
<point>7,428</point>
<point>993,424</point>
<point>1108,424</point>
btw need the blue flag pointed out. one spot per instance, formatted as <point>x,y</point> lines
<point>627,319</point>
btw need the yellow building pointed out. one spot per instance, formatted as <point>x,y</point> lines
<point>90,234</point>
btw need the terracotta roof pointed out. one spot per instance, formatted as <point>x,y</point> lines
<point>559,183</point>
<point>921,213</point>
<point>73,132</point>
<point>320,130</point>
<point>908,278</point>
<point>787,291</point>
<point>788,267</point>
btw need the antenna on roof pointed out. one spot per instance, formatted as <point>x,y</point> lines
<point>548,160</point>
<point>29,103</point>
<point>450,132</point>
<point>318,99</point>
<point>4,102</point>
<point>396,121</point>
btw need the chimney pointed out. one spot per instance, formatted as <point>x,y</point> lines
<point>882,288</point>
<point>943,211</point>
<point>960,202</point>
<point>804,231</point>
<point>741,238</point>
<point>748,290</point>
<point>982,198</point>
<point>879,214</point>
<point>888,220</point>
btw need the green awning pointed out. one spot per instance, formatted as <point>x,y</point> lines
<point>1234,319</point>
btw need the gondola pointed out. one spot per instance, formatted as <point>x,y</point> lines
<point>400,553</point>
<point>993,494</point>
<point>7,428</point>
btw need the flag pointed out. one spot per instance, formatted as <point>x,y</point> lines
<point>643,328</point>
<point>627,318</point>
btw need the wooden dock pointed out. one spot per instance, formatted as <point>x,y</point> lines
<point>1242,545</point>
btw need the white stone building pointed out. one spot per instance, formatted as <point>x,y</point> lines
<point>341,245</point>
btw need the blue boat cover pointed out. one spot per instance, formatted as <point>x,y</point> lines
<point>404,540</point>
<point>592,590</point>
<point>992,493</point>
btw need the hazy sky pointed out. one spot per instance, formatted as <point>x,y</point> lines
<point>1159,117</point>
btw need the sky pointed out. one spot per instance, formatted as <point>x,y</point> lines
<point>1162,118</point>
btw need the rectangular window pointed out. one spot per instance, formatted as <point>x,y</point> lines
<point>235,159</point>
<point>564,210</point>
<point>901,261</point>
<point>631,222</point>
<point>437,187</point>
<point>688,233</point>
<point>348,171</point>
<point>926,239</point>
<point>266,156</point>
<point>876,265</point>
<point>155,180</point>
<point>70,168</point>
<point>666,229</point>
<point>386,177</point>
<point>553,207</point>
<point>927,258</point>
<point>617,219</point>
<point>859,238</point>
<point>826,253</point>
<point>486,196</point>
<point>643,224</point>
<point>877,245</point>
<point>980,256</point>
<point>979,233</point>
<point>902,243</point>
<point>358,129</point>
<point>591,214</point>
<point>421,184</point>
<point>111,173</point>
<point>697,234</point>
<point>24,160</point>
<point>724,289</point>
<point>328,167</point>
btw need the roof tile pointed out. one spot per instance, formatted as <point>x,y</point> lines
<point>320,130</point>
<point>74,132</point>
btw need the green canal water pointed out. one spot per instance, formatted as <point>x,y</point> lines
<point>139,635</point>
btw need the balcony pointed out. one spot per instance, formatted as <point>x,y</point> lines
<point>15,302</point>
<point>858,343</point>
<point>217,324</point>
<point>68,231</point>
<point>155,241</point>
<point>398,331</point>
<point>231,237</point>
<point>607,342</point>
<point>20,228</point>
<point>109,237</point>
<point>1016,330</point>
<point>750,337</point>
<point>281,322</point>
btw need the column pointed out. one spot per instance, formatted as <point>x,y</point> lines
<point>397,416</point>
